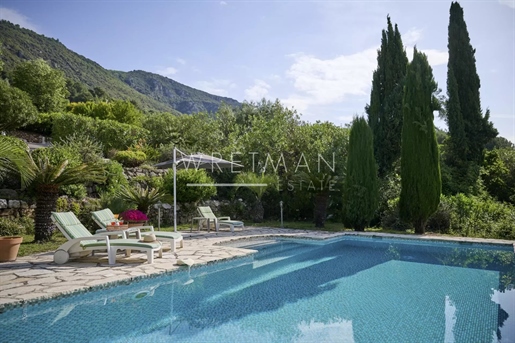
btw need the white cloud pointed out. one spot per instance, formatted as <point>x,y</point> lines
<point>258,91</point>
<point>412,36</point>
<point>509,3</point>
<point>181,61</point>
<point>434,57</point>
<point>216,86</point>
<point>223,3</point>
<point>274,77</point>
<point>319,82</point>
<point>168,71</point>
<point>17,18</point>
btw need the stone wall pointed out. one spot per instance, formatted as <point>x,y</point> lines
<point>15,208</point>
<point>131,173</point>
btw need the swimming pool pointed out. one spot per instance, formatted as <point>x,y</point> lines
<point>353,289</point>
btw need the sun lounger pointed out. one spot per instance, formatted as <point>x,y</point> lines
<point>82,242</point>
<point>105,217</point>
<point>206,212</point>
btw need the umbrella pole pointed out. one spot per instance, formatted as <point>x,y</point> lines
<point>174,191</point>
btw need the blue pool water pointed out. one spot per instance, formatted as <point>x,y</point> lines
<point>350,290</point>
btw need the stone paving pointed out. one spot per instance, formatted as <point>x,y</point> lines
<point>36,277</point>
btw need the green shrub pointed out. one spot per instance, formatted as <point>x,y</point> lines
<point>440,221</point>
<point>62,204</point>
<point>44,123</point>
<point>115,178</point>
<point>390,218</point>
<point>481,217</point>
<point>75,191</point>
<point>27,223</point>
<point>129,158</point>
<point>110,133</point>
<point>185,193</point>
<point>11,227</point>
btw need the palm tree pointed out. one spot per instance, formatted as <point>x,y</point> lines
<point>15,157</point>
<point>44,178</point>
<point>49,177</point>
<point>321,185</point>
<point>258,184</point>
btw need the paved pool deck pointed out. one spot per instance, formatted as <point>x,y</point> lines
<point>36,277</point>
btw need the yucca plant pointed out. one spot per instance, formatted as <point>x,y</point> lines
<point>141,197</point>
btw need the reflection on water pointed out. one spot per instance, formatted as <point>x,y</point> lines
<point>354,290</point>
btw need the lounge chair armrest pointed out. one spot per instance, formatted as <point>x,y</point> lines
<point>145,227</point>
<point>74,241</point>
<point>224,218</point>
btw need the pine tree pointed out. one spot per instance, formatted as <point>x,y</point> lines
<point>361,192</point>
<point>469,130</point>
<point>420,166</point>
<point>385,109</point>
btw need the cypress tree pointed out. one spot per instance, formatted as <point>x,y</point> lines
<point>361,191</point>
<point>469,130</point>
<point>385,109</point>
<point>420,167</point>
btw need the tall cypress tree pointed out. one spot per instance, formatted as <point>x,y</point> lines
<point>469,130</point>
<point>385,109</point>
<point>361,190</point>
<point>420,167</point>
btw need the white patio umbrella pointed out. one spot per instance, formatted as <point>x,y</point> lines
<point>196,161</point>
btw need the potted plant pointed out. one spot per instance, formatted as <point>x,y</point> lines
<point>134,217</point>
<point>10,239</point>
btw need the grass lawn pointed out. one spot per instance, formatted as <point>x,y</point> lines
<point>28,247</point>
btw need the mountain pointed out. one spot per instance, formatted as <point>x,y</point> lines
<point>180,97</point>
<point>150,91</point>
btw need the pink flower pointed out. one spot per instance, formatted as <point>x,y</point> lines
<point>134,215</point>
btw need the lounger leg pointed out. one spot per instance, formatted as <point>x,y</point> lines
<point>173,245</point>
<point>112,255</point>
<point>150,256</point>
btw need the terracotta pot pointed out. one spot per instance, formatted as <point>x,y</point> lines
<point>140,223</point>
<point>9,246</point>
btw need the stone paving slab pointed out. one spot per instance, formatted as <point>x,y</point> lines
<point>36,277</point>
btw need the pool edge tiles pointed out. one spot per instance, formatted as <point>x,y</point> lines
<point>40,279</point>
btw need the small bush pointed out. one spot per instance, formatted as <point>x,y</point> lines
<point>11,227</point>
<point>440,221</point>
<point>481,217</point>
<point>391,219</point>
<point>75,191</point>
<point>130,158</point>
<point>27,223</point>
<point>187,194</point>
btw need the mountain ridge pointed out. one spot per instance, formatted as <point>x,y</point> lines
<point>152,92</point>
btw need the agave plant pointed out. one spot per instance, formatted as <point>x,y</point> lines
<point>140,196</point>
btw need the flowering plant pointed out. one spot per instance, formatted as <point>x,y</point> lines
<point>134,215</point>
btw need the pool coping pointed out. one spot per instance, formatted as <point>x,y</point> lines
<point>35,278</point>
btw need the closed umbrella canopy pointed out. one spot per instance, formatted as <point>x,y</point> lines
<point>195,161</point>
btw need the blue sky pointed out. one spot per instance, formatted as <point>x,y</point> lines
<point>317,57</point>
